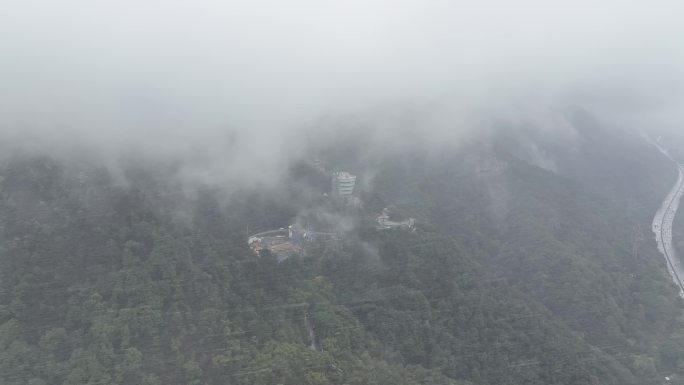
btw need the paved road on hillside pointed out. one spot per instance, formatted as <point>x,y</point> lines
<point>662,225</point>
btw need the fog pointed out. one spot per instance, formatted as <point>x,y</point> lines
<point>240,82</point>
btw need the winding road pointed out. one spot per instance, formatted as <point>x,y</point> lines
<point>662,224</point>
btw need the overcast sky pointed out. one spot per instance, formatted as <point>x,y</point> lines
<point>176,72</point>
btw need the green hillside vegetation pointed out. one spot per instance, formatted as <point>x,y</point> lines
<point>521,275</point>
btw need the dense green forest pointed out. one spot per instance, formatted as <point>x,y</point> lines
<point>519,272</point>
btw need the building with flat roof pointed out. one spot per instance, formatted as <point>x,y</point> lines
<point>343,184</point>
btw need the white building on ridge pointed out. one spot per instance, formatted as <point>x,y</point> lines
<point>343,184</point>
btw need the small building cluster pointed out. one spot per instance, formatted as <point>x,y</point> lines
<point>383,221</point>
<point>284,243</point>
<point>277,242</point>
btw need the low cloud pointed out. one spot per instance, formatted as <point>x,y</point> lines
<point>233,87</point>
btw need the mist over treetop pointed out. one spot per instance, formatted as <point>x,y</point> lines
<point>126,73</point>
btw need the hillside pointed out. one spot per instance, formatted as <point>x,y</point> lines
<point>515,274</point>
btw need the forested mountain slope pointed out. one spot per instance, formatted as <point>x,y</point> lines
<point>516,274</point>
